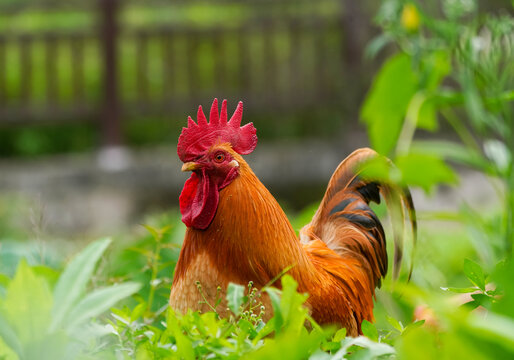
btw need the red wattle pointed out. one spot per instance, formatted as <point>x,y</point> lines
<point>199,201</point>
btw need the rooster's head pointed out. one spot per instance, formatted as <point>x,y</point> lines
<point>208,149</point>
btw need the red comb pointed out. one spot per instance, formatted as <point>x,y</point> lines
<point>197,138</point>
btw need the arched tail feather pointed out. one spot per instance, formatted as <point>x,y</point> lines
<point>347,224</point>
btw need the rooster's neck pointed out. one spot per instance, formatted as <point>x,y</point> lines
<point>250,234</point>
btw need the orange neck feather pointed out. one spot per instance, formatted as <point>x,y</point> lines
<point>250,235</point>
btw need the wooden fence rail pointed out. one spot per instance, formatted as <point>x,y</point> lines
<point>106,74</point>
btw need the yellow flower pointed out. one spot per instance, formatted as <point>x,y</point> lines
<point>410,18</point>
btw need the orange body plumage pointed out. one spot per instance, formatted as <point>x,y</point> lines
<point>339,258</point>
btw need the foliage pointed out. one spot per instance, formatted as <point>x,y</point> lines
<point>197,335</point>
<point>38,323</point>
<point>451,71</point>
<point>455,69</point>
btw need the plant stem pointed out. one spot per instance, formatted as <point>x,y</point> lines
<point>155,268</point>
<point>410,124</point>
<point>461,130</point>
<point>509,216</point>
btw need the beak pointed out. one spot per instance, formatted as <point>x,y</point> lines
<point>190,166</point>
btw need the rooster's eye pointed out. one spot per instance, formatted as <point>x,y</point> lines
<point>219,157</point>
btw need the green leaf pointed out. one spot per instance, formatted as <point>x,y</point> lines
<point>424,171</point>
<point>474,273</point>
<point>377,44</point>
<point>49,274</point>
<point>235,295</point>
<point>246,328</point>
<point>72,283</point>
<point>453,151</point>
<point>386,104</point>
<point>470,305</point>
<point>427,114</point>
<point>498,328</point>
<point>373,349</point>
<point>157,233</point>
<point>185,348</point>
<point>4,280</point>
<point>395,323</point>
<point>138,311</point>
<point>278,319</point>
<point>289,314</point>
<point>98,302</point>
<point>339,335</point>
<point>436,67</point>
<point>10,339</point>
<point>412,326</point>
<point>460,290</point>
<point>291,304</point>
<point>483,300</point>
<point>369,330</point>
<point>27,305</point>
<point>153,231</point>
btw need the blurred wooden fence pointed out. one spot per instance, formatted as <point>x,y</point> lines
<point>113,72</point>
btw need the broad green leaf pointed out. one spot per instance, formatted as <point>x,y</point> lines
<point>470,305</point>
<point>287,306</point>
<point>427,115</point>
<point>474,273</point>
<point>453,151</point>
<point>49,274</point>
<point>502,278</point>
<point>72,282</point>
<point>425,171</point>
<point>379,168</point>
<point>497,328</point>
<point>235,295</point>
<point>99,301</point>
<point>386,104</point>
<point>483,300</point>
<point>369,330</point>
<point>292,304</point>
<point>278,318</point>
<point>27,305</point>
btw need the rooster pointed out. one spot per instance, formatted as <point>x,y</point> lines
<point>237,231</point>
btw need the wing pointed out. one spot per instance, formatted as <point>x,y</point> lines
<point>348,226</point>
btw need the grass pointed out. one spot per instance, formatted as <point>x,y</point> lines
<point>141,326</point>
